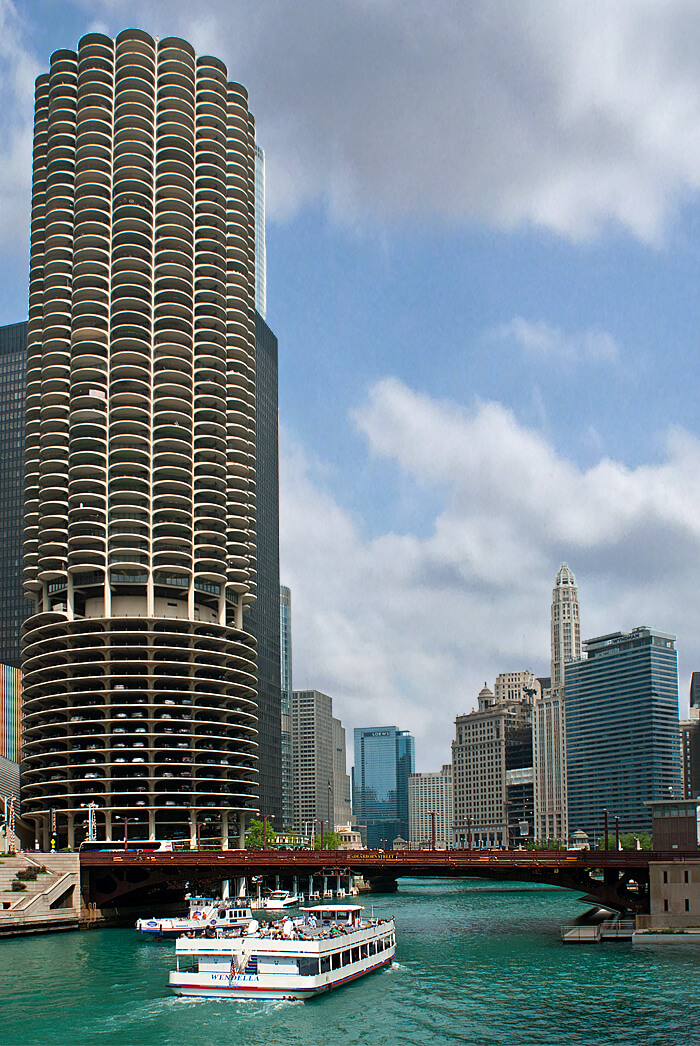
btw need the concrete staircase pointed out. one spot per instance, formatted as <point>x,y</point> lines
<point>51,902</point>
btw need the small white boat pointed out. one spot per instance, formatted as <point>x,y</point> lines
<point>292,959</point>
<point>277,900</point>
<point>206,913</point>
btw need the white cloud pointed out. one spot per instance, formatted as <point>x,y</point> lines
<point>18,70</point>
<point>542,342</point>
<point>558,114</point>
<point>405,630</point>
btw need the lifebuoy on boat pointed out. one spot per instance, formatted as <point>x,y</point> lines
<point>196,915</point>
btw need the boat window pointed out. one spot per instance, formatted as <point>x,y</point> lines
<point>188,963</point>
<point>222,913</point>
<point>325,964</point>
<point>372,948</point>
<point>347,958</point>
<point>308,967</point>
<point>336,960</point>
<point>355,954</point>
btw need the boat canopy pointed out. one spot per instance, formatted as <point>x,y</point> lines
<point>335,908</point>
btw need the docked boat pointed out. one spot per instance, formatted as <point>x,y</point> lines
<point>205,914</point>
<point>329,946</point>
<point>278,900</point>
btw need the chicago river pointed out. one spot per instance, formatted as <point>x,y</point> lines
<point>477,962</point>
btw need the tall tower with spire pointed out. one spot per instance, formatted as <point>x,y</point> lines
<point>566,628</point>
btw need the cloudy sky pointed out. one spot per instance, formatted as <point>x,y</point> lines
<point>483,241</point>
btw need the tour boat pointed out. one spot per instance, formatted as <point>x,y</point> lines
<point>292,959</point>
<point>277,900</point>
<point>206,913</point>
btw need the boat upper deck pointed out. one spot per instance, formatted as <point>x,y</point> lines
<point>305,935</point>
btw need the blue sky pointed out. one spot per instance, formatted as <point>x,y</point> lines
<point>482,246</point>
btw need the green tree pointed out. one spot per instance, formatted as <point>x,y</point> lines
<point>254,836</point>
<point>331,841</point>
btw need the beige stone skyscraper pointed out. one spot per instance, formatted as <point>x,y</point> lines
<point>140,679</point>
<point>548,721</point>
<point>566,628</point>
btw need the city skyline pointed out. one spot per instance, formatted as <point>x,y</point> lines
<point>474,309</point>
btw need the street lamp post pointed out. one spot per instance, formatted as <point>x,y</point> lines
<point>92,821</point>
<point>605,827</point>
<point>200,825</point>
<point>617,832</point>
<point>127,821</point>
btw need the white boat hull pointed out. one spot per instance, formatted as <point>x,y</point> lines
<point>250,986</point>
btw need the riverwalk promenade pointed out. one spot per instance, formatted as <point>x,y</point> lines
<point>48,903</point>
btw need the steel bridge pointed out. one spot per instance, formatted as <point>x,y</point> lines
<point>128,879</point>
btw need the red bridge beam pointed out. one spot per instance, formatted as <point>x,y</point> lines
<point>400,863</point>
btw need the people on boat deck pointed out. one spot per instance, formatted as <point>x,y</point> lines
<point>252,927</point>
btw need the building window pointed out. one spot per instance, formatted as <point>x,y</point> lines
<point>687,904</point>
<point>666,905</point>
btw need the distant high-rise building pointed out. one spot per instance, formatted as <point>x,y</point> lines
<point>430,801</point>
<point>548,722</point>
<point>286,707</point>
<point>549,764</point>
<point>342,809</point>
<point>140,549</point>
<point>10,712</point>
<point>384,761</point>
<point>566,628</point>
<point>622,730</point>
<point>13,606</point>
<point>489,743</point>
<point>694,710</point>
<point>312,757</point>
<point>516,686</point>
<point>690,758</point>
<point>263,617</point>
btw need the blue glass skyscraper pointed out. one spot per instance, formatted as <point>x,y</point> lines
<point>622,731</point>
<point>384,761</point>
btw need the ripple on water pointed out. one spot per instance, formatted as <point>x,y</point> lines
<point>473,965</point>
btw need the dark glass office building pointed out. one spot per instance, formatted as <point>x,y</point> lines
<point>622,730</point>
<point>263,618</point>
<point>286,687</point>
<point>13,371</point>
<point>384,761</point>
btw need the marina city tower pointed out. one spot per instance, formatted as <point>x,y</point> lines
<point>140,679</point>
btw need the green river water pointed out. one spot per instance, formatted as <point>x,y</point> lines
<point>476,963</point>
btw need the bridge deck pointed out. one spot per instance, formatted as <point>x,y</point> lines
<point>395,863</point>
